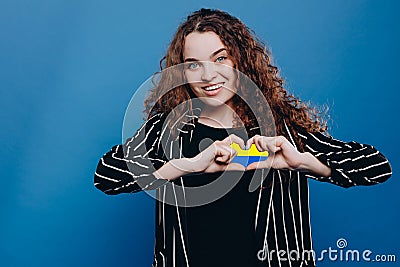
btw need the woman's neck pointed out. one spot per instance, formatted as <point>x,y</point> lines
<point>220,117</point>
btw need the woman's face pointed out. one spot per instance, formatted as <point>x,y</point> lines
<point>208,69</point>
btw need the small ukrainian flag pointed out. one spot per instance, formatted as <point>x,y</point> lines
<point>246,157</point>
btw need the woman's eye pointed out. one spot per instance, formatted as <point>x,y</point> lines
<point>192,65</point>
<point>220,59</point>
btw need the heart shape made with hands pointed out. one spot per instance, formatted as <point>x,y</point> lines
<point>246,157</point>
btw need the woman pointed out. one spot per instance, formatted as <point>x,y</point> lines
<point>269,226</point>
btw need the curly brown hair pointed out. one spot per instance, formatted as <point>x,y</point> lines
<point>252,58</point>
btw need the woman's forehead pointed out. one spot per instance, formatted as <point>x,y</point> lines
<point>201,45</point>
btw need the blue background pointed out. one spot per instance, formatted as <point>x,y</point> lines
<point>69,68</point>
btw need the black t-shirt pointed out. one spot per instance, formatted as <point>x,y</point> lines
<point>221,232</point>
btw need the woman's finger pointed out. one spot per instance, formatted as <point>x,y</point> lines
<point>233,167</point>
<point>224,153</point>
<point>257,141</point>
<point>256,165</point>
<point>261,164</point>
<point>232,138</point>
<point>251,141</point>
<point>268,144</point>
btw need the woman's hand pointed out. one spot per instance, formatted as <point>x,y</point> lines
<point>282,154</point>
<point>218,156</point>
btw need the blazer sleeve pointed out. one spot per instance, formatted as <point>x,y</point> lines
<point>129,167</point>
<point>351,163</point>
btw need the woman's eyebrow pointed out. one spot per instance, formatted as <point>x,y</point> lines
<point>212,55</point>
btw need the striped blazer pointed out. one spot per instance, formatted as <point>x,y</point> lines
<point>282,218</point>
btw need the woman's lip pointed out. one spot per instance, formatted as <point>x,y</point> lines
<point>213,84</point>
<point>213,92</point>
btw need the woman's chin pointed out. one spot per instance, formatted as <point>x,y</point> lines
<point>210,102</point>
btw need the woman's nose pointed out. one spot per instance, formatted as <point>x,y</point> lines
<point>209,72</point>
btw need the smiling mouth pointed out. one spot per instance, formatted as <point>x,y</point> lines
<point>212,87</point>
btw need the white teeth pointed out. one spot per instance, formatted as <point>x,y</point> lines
<point>213,87</point>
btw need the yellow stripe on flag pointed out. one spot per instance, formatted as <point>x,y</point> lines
<point>253,151</point>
